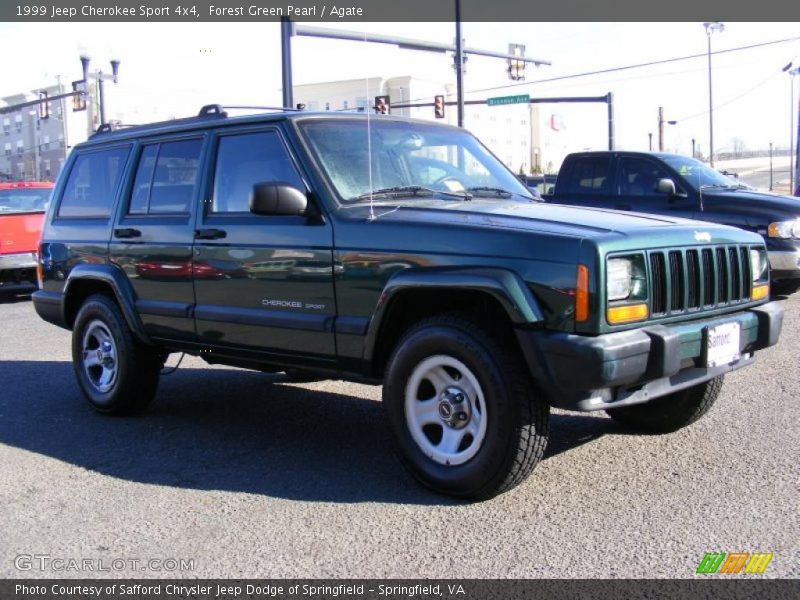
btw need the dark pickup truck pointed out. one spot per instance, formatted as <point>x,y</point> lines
<point>398,252</point>
<point>679,186</point>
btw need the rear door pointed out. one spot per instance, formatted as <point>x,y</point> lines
<point>153,235</point>
<point>263,284</point>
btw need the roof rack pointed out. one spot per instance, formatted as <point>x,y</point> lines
<point>278,108</point>
<point>212,110</point>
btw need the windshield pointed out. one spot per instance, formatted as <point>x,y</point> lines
<point>411,160</point>
<point>17,200</point>
<point>697,174</point>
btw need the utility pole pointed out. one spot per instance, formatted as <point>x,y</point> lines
<point>650,135</point>
<point>694,154</point>
<point>660,128</point>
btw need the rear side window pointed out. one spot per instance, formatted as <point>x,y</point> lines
<point>166,177</point>
<point>244,160</point>
<point>92,183</point>
<point>590,175</point>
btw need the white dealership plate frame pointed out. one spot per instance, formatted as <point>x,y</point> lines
<point>722,344</point>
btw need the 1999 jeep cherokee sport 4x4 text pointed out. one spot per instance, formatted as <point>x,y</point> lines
<point>388,250</point>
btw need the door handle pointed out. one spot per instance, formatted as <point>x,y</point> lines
<point>209,234</point>
<point>623,207</point>
<point>127,232</point>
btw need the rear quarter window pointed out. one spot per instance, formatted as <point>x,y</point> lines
<point>92,183</point>
<point>590,175</point>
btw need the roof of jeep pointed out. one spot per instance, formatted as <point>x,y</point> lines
<point>208,121</point>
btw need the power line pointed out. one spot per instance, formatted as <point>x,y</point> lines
<point>628,67</point>
<point>638,66</point>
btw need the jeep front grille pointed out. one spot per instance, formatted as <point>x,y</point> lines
<point>683,280</point>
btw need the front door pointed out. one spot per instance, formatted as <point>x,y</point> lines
<point>637,189</point>
<point>263,284</point>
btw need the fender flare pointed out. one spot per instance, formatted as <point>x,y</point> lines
<point>501,284</point>
<point>116,279</point>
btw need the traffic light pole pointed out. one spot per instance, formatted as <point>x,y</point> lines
<point>459,64</point>
<point>287,31</point>
<point>608,100</point>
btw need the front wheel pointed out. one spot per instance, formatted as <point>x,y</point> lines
<point>672,412</point>
<point>464,414</point>
<point>117,374</point>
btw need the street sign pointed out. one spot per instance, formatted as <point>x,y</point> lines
<point>502,100</point>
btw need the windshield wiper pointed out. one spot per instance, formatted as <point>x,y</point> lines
<point>413,190</point>
<point>493,190</point>
<point>497,191</point>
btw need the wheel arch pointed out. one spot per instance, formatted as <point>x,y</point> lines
<point>85,280</point>
<point>497,294</point>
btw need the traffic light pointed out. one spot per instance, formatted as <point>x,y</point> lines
<point>438,107</point>
<point>516,68</point>
<point>79,95</point>
<point>382,105</point>
<point>44,106</point>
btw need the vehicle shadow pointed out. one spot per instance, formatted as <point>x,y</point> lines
<point>221,429</point>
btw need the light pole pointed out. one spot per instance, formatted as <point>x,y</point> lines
<point>100,77</point>
<point>694,154</point>
<point>650,135</point>
<point>770,166</point>
<point>710,29</point>
<point>792,72</point>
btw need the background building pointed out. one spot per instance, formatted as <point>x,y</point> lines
<point>529,138</point>
<point>33,148</point>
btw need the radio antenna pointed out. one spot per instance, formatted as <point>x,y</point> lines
<point>369,149</point>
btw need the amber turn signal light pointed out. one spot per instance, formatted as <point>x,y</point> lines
<point>760,291</point>
<point>626,314</point>
<point>582,294</point>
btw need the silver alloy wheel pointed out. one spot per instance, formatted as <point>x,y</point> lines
<point>99,356</point>
<point>445,410</point>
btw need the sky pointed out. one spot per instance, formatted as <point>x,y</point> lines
<point>171,69</point>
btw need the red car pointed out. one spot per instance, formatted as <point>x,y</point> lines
<point>22,207</point>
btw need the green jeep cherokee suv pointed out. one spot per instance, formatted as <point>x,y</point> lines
<point>392,251</point>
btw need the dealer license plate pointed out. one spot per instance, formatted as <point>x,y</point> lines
<point>722,344</point>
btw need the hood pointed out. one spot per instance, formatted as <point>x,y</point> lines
<point>763,206</point>
<point>550,219</point>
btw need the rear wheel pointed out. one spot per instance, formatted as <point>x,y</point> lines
<point>117,374</point>
<point>463,411</point>
<point>670,413</point>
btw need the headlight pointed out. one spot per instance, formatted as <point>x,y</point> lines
<point>784,229</point>
<point>620,278</point>
<point>758,264</point>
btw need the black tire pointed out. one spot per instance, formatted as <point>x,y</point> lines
<point>670,413</point>
<point>136,366</point>
<point>517,417</point>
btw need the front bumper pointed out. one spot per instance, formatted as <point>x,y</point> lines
<point>630,367</point>
<point>784,264</point>
<point>22,260</point>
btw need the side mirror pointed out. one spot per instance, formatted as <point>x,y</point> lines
<point>666,186</point>
<point>277,198</point>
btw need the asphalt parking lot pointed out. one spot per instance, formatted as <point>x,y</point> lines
<point>250,476</point>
